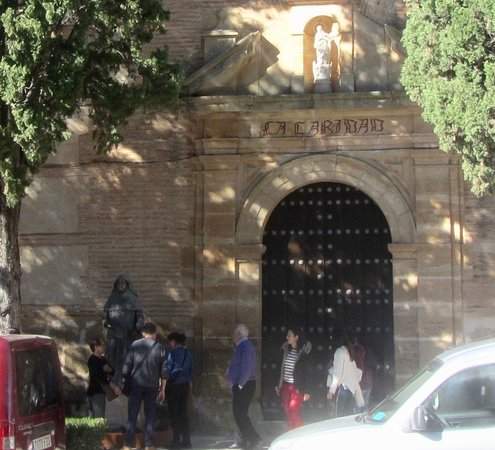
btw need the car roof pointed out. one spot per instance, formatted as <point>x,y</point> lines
<point>23,337</point>
<point>478,349</point>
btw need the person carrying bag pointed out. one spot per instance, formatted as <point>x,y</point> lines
<point>100,389</point>
<point>344,381</point>
<point>144,379</point>
<point>127,384</point>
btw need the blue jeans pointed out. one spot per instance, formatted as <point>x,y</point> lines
<point>148,397</point>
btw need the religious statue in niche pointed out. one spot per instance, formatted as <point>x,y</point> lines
<point>327,50</point>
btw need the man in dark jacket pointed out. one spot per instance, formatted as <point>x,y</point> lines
<point>144,369</point>
<point>242,376</point>
<point>178,378</point>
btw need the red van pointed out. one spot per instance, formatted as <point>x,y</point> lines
<point>31,401</point>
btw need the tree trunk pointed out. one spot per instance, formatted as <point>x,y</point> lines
<point>10,267</point>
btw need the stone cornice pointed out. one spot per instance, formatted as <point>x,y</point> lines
<point>326,144</point>
<point>378,100</point>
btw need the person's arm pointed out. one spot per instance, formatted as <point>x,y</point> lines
<point>234,366</point>
<point>338,371</point>
<point>188,362</point>
<point>161,392</point>
<point>301,373</point>
<point>128,365</point>
<point>358,396</point>
<point>330,376</point>
<point>248,361</point>
<point>167,366</point>
<point>163,377</point>
<point>107,368</point>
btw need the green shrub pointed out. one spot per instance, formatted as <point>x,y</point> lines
<point>84,433</point>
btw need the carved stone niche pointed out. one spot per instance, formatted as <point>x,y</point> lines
<point>322,55</point>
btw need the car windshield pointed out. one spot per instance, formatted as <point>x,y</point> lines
<point>37,381</point>
<point>386,409</point>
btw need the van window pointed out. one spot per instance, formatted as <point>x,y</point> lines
<point>37,380</point>
<point>467,399</point>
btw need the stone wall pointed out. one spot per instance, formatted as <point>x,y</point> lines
<point>87,218</point>
<point>281,146</point>
<point>180,207</point>
<point>190,19</point>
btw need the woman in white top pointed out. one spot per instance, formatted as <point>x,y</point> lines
<point>343,381</point>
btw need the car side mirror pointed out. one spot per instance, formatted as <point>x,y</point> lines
<point>419,419</point>
<point>424,420</point>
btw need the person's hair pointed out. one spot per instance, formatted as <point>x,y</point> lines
<point>345,340</point>
<point>179,338</point>
<point>95,343</point>
<point>148,328</point>
<point>242,330</point>
<point>300,333</point>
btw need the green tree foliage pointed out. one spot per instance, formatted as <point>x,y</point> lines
<point>450,72</point>
<point>57,55</point>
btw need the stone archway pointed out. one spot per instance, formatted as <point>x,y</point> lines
<point>370,178</point>
<point>358,173</point>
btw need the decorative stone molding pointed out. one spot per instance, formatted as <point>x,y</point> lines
<point>403,251</point>
<point>250,252</point>
<point>325,168</point>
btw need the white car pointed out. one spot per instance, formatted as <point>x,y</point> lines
<point>448,405</point>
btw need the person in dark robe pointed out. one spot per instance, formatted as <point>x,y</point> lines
<point>124,319</point>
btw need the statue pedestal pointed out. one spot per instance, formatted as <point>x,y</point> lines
<point>116,413</point>
<point>322,86</point>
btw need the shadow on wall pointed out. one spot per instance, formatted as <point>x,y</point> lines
<point>362,57</point>
<point>83,224</point>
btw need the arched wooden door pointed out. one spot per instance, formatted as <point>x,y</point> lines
<point>326,268</point>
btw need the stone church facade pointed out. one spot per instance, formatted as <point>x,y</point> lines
<point>281,99</point>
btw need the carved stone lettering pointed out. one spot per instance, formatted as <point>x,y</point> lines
<point>363,126</point>
<point>299,129</point>
<point>336,127</point>
<point>315,129</point>
<point>274,129</point>
<point>377,125</point>
<point>331,127</point>
<point>350,126</point>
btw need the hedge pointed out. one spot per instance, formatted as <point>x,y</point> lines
<point>84,433</point>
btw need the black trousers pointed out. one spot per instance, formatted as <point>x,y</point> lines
<point>241,399</point>
<point>177,397</point>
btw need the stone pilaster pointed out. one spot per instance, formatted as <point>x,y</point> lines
<point>405,272</point>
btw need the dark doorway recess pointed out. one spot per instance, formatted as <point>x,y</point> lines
<point>326,268</point>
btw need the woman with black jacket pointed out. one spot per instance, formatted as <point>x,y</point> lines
<point>292,387</point>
